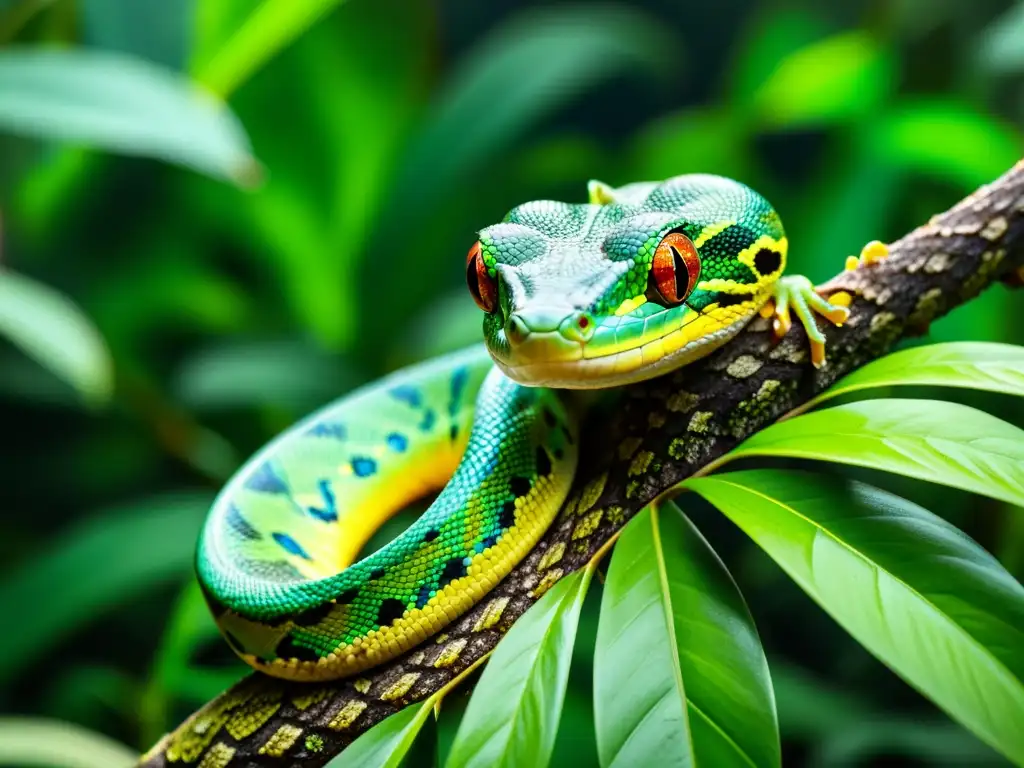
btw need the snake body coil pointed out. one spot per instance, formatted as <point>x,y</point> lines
<point>638,281</point>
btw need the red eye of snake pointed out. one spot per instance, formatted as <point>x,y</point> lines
<point>675,270</point>
<point>483,287</point>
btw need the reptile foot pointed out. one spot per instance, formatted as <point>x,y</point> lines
<point>797,291</point>
<point>871,253</point>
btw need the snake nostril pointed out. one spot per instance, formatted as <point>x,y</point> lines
<point>578,327</point>
<point>516,330</point>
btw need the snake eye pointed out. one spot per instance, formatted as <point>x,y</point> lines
<point>675,270</point>
<point>483,287</point>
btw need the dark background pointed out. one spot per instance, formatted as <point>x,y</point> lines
<point>389,133</point>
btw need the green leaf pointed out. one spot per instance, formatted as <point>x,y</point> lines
<point>680,677</point>
<point>27,741</point>
<point>987,366</point>
<point>272,26</point>
<point>121,104</point>
<point>513,715</point>
<point>915,591</point>
<point>384,745</point>
<point>105,561</point>
<point>243,374</point>
<point>53,330</point>
<point>834,80</point>
<point>511,80</point>
<point>941,442</point>
<point>948,140</point>
<point>999,47</point>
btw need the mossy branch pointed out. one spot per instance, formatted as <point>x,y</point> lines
<point>664,431</point>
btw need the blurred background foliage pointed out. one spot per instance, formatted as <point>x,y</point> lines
<point>162,320</point>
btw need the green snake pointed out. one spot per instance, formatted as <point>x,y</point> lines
<point>638,281</point>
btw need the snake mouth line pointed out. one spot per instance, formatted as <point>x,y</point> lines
<point>571,365</point>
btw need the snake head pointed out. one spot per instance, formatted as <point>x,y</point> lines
<point>638,281</point>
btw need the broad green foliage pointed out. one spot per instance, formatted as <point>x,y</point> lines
<point>679,674</point>
<point>968,365</point>
<point>121,104</point>
<point>28,742</point>
<point>94,567</point>
<point>513,717</point>
<point>918,593</point>
<point>49,327</point>
<point>387,743</point>
<point>388,132</point>
<point>930,440</point>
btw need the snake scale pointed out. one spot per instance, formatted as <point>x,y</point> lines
<point>636,282</point>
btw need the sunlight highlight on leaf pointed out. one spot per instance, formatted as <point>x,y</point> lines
<point>123,105</point>
<point>513,715</point>
<point>27,741</point>
<point>914,590</point>
<point>49,327</point>
<point>980,365</point>
<point>680,677</point>
<point>271,27</point>
<point>941,442</point>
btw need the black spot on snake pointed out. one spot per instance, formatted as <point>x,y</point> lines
<point>289,649</point>
<point>397,442</point>
<point>507,516</point>
<point>390,609</point>
<point>453,569</point>
<point>363,466</point>
<point>377,573</point>
<point>453,432</point>
<point>265,480</point>
<point>732,299</point>
<point>543,462</point>
<point>520,486</point>
<point>432,534</point>
<point>347,596</point>
<point>424,596</point>
<point>290,545</point>
<point>314,615</point>
<point>767,261</point>
<point>559,453</point>
<point>549,417</point>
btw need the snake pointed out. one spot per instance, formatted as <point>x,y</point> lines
<point>637,281</point>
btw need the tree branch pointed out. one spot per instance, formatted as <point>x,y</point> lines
<point>663,431</point>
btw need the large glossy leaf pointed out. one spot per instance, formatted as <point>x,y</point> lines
<point>680,677</point>
<point>102,562</point>
<point>944,443</point>
<point>837,79</point>
<point>965,364</point>
<point>384,745</point>
<point>53,330</point>
<point>26,741</point>
<point>513,715</point>
<point>948,140</point>
<point>122,104</point>
<point>271,27</point>
<point>914,590</point>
